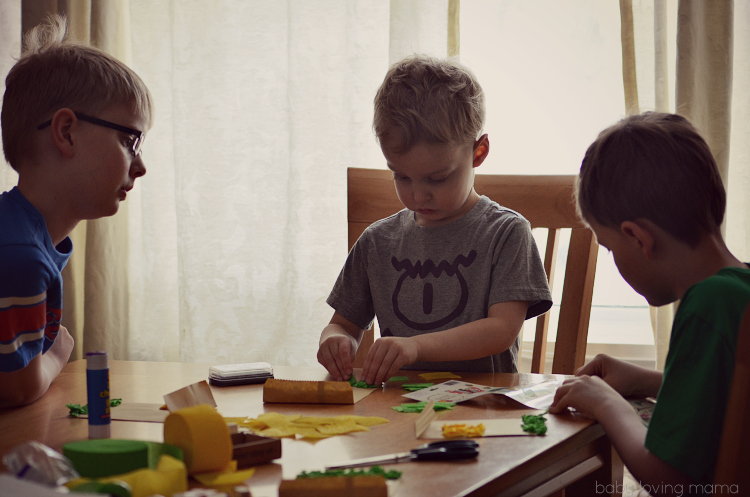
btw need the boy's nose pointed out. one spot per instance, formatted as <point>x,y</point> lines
<point>421,194</point>
<point>137,168</point>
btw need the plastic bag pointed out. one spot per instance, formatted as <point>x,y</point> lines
<point>33,461</point>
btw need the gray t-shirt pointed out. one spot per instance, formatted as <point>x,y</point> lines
<point>420,280</point>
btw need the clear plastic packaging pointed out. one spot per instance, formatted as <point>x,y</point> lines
<point>33,461</point>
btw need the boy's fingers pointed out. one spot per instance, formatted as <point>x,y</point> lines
<point>344,361</point>
<point>327,360</point>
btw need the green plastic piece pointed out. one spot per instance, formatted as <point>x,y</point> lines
<point>360,384</point>
<point>79,410</point>
<point>413,387</point>
<point>535,424</point>
<point>373,471</point>
<point>419,406</point>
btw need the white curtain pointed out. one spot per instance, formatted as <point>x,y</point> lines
<point>10,49</point>
<point>238,230</point>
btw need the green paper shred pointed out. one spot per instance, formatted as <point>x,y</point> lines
<point>419,406</point>
<point>360,384</point>
<point>373,471</point>
<point>413,387</point>
<point>76,410</point>
<point>398,378</point>
<point>535,424</point>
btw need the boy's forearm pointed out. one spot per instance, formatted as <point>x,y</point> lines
<point>469,341</point>
<point>26,385</point>
<point>627,434</point>
<point>649,383</point>
<point>334,329</point>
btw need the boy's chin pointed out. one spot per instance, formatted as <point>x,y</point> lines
<point>658,301</point>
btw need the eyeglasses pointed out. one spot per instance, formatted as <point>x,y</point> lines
<point>138,136</point>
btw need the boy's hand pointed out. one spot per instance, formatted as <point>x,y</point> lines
<point>589,395</point>
<point>388,355</point>
<point>336,354</point>
<point>625,378</point>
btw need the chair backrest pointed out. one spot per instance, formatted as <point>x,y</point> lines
<point>734,446</point>
<point>547,202</point>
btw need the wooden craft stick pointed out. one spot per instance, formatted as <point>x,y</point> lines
<point>423,421</point>
<point>307,392</point>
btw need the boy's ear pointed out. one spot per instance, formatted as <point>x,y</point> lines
<point>640,233</point>
<point>64,123</point>
<point>481,149</point>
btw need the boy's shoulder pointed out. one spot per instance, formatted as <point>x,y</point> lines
<point>20,220</point>
<point>28,262</point>
<point>728,280</point>
<point>718,298</point>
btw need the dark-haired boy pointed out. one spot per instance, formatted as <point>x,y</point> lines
<point>651,191</point>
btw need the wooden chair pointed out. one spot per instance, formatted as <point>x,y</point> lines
<point>734,447</point>
<point>547,202</point>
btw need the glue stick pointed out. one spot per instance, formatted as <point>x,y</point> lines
<point>97,387</point>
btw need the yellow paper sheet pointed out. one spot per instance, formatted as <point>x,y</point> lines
<point>273,424</point>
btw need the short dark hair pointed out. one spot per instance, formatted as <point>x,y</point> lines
<point>424,98</point>
<point>653,166</point>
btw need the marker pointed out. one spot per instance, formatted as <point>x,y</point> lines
<point>97,388</point>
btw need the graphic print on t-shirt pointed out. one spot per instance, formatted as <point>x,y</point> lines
<point>431,281</point>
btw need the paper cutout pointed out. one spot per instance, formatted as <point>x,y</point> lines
<point>136,411</point>
<point>190,396</point>
<point>437,376</point>
<point>413,387</point>
<point>419,406</point>
<point>536,396</point>
<point>423,421</point>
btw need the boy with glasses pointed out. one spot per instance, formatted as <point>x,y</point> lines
<point>73,122</point>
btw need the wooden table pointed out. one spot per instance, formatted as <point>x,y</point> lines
<point>575,453</point>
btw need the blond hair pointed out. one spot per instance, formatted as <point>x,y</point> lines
<point>55,73</point>
<point>427,99</point>
<point>653,166</point>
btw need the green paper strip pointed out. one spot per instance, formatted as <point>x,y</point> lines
<point>535,424</point>
<point>419,406</point>
<point>373,471</point>
<point>76,410</point>
<point>413,387</point>
<point>360,384</point>
<point>398,378</point>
